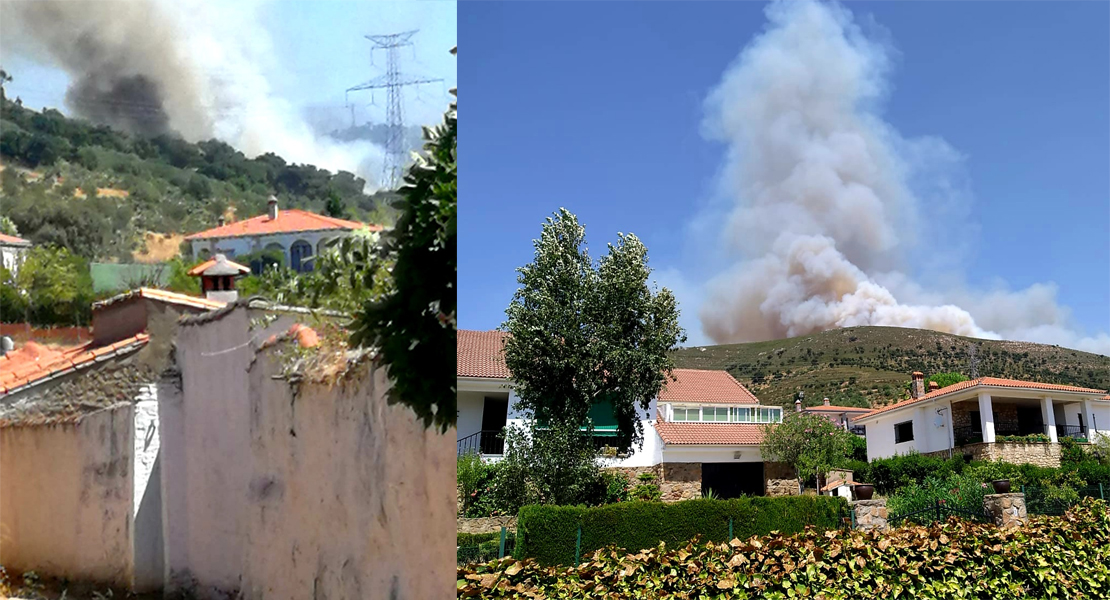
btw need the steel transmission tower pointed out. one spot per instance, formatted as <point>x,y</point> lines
<point>394,81</point>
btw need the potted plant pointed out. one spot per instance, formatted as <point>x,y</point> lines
<point>1001,486</point>
<point>864,491</point>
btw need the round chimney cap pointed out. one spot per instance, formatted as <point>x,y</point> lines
<point>272,199</point>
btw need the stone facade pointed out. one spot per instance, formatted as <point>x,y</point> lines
<point>779,480</point>
<point>1007,510</point>
<point>870,514</point>
<point>680,481</point>
<point>633,473</point>
<point>1042,454</point>
<point>961,414</point>
<point>486,524</point>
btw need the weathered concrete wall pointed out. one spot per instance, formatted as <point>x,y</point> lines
<point>76,521</point>
<point>486,524</point>
<point>348,496</point>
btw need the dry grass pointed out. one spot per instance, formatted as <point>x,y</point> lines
<point>159,247</point>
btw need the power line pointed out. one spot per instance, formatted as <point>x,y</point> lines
<point>394,83</point>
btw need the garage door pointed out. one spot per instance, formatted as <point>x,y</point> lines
<point>732,480</point>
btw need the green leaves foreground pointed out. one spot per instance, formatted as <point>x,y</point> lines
<point>1054,557</point>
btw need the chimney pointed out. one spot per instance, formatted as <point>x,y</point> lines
<point>798,405</point>
<point>222,221</point>
<point>933,386</point>
<point>826,401</point>
<point>6,345</point>
<point>272,204</point>
<point>917,386</point>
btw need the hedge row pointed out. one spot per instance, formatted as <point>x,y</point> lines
<point>549,533</point>
<point>1053,557</point>
<point>473,539</point>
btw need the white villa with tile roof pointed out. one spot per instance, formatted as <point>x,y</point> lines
<point>978,418</point>
<point>297,234</point>
<point>703,431</point>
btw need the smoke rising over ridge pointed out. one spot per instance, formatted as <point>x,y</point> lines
<point>821,211</point>
<point>195,68</point>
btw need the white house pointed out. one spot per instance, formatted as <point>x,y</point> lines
<point>702,432</point>
<point>297,234</point>
<point>841,416</point>
<point>12,250</point>
<point>977,416</point>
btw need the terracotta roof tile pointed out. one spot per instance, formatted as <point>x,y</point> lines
<point>162,296</point>
<point>202,267</point>
<point>13,241</point>
<point>287,221</point>
<point>479,354</point>
<point>710,434</point>
<point>33,362</point>
<point>834,408</point>
<point>706,387</point>
<point>987,382</point>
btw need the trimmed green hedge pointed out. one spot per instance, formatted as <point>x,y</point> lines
<point>474,539</point>
<point>549,533</point>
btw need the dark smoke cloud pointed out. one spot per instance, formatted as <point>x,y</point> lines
<point>190,67</point>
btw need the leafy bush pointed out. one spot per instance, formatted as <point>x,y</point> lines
<point>955,491</point>
<point>1032,438</point>
<point>889,474</point>
<point>472,478</point>
<point>956,559</point>
<point>857,448</point>
<point>548,533</point>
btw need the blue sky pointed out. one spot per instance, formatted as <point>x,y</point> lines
<point>599,108</point>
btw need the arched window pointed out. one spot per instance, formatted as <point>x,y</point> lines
<point>299,253</point>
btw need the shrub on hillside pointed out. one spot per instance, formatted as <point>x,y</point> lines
<point>956,559</point>
<point>549,533</point>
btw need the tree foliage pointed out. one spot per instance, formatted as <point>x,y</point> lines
<point>51,287</point>
<point>548,465</point>
<point>414,324</point>
<point>582,334</point>
<point>810,443</point>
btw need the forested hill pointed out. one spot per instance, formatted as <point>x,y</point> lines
<point>52,164</point>
<point>870,366</point>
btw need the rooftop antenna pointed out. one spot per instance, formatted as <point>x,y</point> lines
<point>393,82</point>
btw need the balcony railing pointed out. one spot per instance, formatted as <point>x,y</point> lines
<point>1075,432</point>
<point>488,441</point>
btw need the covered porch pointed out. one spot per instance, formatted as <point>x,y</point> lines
<point>988,419</point>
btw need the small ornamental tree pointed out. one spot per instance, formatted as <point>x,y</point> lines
<point>811,444</point>
<point>582,334</point>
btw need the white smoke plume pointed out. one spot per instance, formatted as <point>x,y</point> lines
<point>196,67</point>
<point>821,207</point>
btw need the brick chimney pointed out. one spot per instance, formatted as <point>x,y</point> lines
<point>917,386</point>
<point>933,386</point>
<point>272,205</point>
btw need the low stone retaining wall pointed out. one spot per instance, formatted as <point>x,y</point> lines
<point>870,514</point>
<point>486,524</point>
<point>1007,510</point>
<point>1042,454</point>
<point>779,480</point>
<point>681,481</point>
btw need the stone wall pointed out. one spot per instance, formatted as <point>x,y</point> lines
<point>1007,510</point>
<point>779,480</point>
<point>633,473</point>
<point>1042,454</point>
<point>870,514</point>
<point>486,524</point>
<point>680,481</point>
<point>961,414</point>
<point>1005,418</point>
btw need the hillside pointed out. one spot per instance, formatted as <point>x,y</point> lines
<point>147,189</point>
<point>870,366</point>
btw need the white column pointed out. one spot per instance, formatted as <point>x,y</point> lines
<point>986,417</point>
<point>1089,421</point>
<point>948,423</point>
<point>1049,418</point>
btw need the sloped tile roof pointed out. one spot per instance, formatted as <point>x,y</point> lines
<point>479,354</point>
<point>710,434</point>
<point>705,387</point>
<point>33,362</point>
<point>986,382</point>
<point>204,266</point>
<point>287,221</point>
<point>162,296</point>
<point>836,409</point>
<point>11,240</point>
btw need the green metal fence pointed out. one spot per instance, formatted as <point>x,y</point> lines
<point>497,546</point>
<point>1056,501</point>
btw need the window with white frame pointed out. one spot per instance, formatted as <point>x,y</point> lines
<point>727,414</point>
